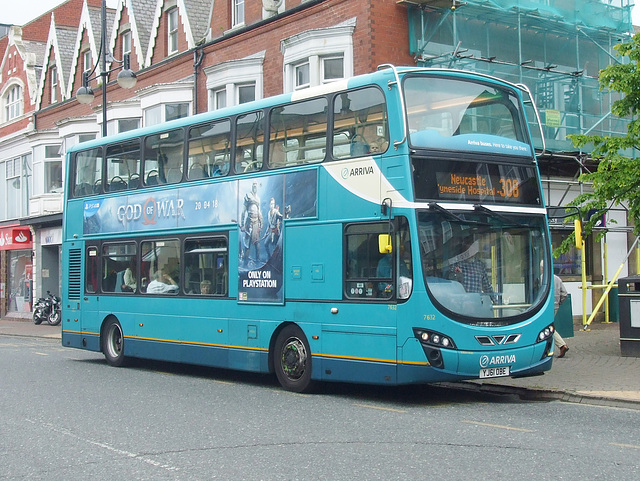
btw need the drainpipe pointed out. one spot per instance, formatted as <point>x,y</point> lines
<point>198,57</point>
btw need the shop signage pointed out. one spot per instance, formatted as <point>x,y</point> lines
<point>16,237</point>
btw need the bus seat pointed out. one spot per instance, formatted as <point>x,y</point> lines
<point>134,181</point>
<point>117,184</point>
<point>174,176</point>
<point>109,282</point>
<point>359,146</point>
<point>119,281</point>
<point>152,179</point>
<point>197,172</point>
<point>277,155</point>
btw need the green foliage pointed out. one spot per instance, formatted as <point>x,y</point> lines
<point>617,180</point>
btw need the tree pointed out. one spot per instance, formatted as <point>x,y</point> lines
<point>617,178</point>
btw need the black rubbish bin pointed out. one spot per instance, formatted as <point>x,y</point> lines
<point>629,303</point>
<point>614,305</point>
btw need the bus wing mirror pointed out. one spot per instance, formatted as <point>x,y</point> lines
<point>384,244</point>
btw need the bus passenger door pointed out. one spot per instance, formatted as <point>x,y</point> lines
<point>79,299</point>
<point>90,320</point>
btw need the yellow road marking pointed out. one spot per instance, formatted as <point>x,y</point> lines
<point>498,426</point>
<point>369,406</point>
<point>632,446</point>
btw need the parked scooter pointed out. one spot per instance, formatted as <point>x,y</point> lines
<point>47,309</point>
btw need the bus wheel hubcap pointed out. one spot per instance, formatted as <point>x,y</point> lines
<point>294,358</point>
<point>115,344</point>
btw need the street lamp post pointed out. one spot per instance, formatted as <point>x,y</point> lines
<point>126,77</point>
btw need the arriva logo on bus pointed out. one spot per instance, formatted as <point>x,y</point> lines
<point>150,211</point>
<point>356,171</point>
<point>497,360</point>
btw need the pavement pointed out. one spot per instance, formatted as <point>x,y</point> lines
<point>592,372</point>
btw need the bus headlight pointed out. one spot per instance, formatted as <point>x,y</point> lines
<point>546,333</point>
<point>432,338</point>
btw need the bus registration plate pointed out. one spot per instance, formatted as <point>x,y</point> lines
<point>494,372</point>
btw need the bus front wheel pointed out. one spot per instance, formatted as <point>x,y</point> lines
<point>113,343</point>
<point>292,359</point>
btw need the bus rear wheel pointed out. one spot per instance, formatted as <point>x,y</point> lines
<point>292,359</point>
<point>113,343</point>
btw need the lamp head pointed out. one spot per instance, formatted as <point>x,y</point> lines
<point>126,79</point>
<point>85,94</point>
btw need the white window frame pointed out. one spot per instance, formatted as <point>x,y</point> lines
<point>323,76</point>
<point>13,102</point>
<point>156,98</point>
<point>218,98</point>
<point>134,123</point>
<point>160,114</point>
<point>172,31</point>
<point>126,43</point>
<point>87,61</point>
<point>297,68</point>
<point>233,75</point>
<point>52,162</point>
<point>314,46</point>
<point>239,87</point>
<point>237,13</point>
<point>53,72</point>
<point>15,195</point>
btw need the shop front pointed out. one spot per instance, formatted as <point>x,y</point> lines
<point>16,244</point>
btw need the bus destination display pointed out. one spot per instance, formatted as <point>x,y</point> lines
<point>475,182</point>
<point>478,186</point>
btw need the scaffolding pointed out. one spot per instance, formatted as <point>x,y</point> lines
<point>555,47</point>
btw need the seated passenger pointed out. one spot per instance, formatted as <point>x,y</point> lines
<point>162,284</point>
<point>128,281</point>
<point>205,287</point>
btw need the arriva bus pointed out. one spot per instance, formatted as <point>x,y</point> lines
<point>387,228</point>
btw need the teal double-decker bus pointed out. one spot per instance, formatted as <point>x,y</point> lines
<point>387,228</point>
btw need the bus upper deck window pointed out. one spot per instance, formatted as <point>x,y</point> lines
<point>360,123</point>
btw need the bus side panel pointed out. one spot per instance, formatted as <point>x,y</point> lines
<point>313,263</point>
<point>356,183</point>
<point>357,348</point>
<point>245,337</point>
<point>205,339</point>
<point>164,325</point>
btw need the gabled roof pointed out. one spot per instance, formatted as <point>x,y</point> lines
<point>195,18</point>
<point>37,50</point>
<point>31,52</point>
<point>141,13</point>
<point>198,14</point>
<point>91,23</point>
<point>65,56</point>
<point>60,43</point>
<point>140,20</point>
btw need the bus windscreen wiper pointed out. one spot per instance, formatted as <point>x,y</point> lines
<point>499,215</point>
<point>439,208</point>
